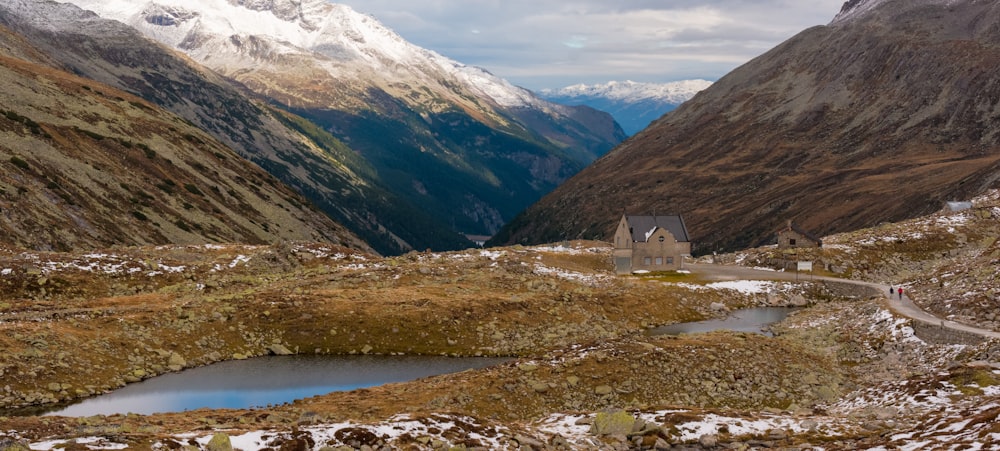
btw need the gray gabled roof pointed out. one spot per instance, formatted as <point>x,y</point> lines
<point>639,226</point>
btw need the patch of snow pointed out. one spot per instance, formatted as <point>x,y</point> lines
<point>492,255</point>
<point>6,272</point>
<point>437,427</point>
<point>240,259</point>
<point>561,249</point>
<point>744,286</point>
<point>588,279</point>
<point>88,442</point>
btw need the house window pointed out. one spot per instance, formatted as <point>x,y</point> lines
<point>662,238</point>
<point>670,260</point>
<point>791,241</point>
<point>646,261</point>
<point>659,261</point>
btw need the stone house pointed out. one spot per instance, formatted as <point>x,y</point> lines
<point>793,237</point>
<point>650,243</point>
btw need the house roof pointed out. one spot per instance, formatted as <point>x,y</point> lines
<point>641,226</point>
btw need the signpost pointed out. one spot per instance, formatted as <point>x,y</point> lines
<point>802,266</point>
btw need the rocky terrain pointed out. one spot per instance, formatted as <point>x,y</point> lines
<point>882,115</point>
<point>84,165</point>
<point>844,373</point>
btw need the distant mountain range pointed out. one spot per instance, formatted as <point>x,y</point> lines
<point>884,114</point>
<point>408,149</point>
<point>633,105</point>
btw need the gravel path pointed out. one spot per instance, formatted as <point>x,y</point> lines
<point>903,306</point>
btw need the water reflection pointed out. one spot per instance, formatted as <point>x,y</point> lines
<point>747,320</point>
<point>266,381</point>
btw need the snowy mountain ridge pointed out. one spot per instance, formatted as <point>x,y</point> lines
<point>354,45</point>
<point>854,9</point>
<point>631,91</point>
<point>634,105</point>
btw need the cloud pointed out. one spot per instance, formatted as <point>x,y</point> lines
<point>549,44</point>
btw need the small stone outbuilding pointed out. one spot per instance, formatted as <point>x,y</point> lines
<point>650,243</point>
<point>793,237</point>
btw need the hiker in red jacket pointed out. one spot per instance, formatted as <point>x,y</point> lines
<point>900,291</point>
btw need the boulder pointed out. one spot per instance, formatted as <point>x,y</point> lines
<point>176,362</point>
<point>602,390</point>
<point>219,442</point>
<point>278,349</point>
<point>612,423</point>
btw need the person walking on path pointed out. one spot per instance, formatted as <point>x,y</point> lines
<point>890,291</point>
<point>900,291</point>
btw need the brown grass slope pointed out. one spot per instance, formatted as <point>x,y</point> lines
<point>878,118</point>
<point>85,165</point>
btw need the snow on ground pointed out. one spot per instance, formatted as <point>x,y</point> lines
<point>492,255</point>
<point>742,286</point>
<point>745,286</point>
<point>433,428</point>
<point>576,428</point>
<point>579,277</point>
<point>88,442</point>
<point>563,249</point>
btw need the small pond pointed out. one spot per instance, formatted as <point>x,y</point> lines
<point>745,320</point>
<point>262,381</point>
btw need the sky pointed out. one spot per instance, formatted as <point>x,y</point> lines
<point>541,44</point>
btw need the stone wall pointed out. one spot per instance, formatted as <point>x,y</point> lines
<point>846,290</point>
<point>939,335</point>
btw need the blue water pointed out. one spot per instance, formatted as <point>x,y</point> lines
<point>753,320</point>
<point>266,381</point>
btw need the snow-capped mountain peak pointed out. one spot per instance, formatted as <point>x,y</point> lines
<point>630,91</point>
<point>216,32</point>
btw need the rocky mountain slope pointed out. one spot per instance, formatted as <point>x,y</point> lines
<point>292,149</point>
<point>465,146</point>
<point>85,166</point>
<point>884,114</point>
<point>633,105</point>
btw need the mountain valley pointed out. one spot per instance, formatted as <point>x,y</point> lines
<point>884,114</point>
<point>457,144</point>
<point>844,373</point>
<point>196,183</point>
